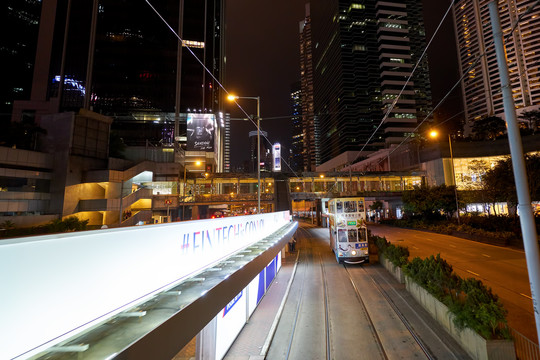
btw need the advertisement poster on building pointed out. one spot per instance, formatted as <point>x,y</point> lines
<point>200,132</point>
<point>276,152</point>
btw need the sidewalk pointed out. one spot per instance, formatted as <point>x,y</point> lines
<point>254,335</point>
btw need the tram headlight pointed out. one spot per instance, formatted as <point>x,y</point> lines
<point>353,253</point>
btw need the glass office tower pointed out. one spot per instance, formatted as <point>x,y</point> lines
<point>363,55</point>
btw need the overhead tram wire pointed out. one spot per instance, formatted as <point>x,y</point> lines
<point>477,59</point>
<point>214,78</point>
<point>403,89</point>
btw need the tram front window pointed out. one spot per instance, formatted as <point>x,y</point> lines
<point>350,206</point>
<point>342,235</point>
<point>362,234</point>
<point>353,235</point>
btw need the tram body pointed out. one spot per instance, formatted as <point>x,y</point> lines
<point>348,230</point>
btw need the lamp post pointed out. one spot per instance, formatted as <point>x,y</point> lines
<point>434,134</point>
<point>234,98</point>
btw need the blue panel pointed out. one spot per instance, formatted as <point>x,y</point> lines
<point>232,303</point>
<point>260,291</point>
<point>270,273</point>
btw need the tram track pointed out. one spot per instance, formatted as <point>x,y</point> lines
<point>376,281</point>
<point>307,259</point>
<point>399,314</point>
<point>324,322</point>
<point>316,258</point>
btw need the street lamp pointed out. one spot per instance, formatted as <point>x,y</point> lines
<point>232,97</point>
<point>434,134</point>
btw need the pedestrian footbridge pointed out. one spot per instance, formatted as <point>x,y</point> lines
<point>141,292</point>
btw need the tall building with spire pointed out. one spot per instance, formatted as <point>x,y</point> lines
<point>481,85</point>
<point>363,55</point>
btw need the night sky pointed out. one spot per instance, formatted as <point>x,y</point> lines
<point>263,60</point>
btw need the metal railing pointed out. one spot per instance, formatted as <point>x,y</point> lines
<point>525,348</point>
<point>223,197</point>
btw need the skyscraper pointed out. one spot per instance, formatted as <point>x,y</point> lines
<point>17,52</point>
<point>120,59</point>
<point>310,153</point>
<point>362,54</point>
<point>481,87</point>
<point>296,160</point>
<point>264,151</point>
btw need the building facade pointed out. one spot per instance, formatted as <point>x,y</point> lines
<point>477,59</point>
<point>363,55</point>
<point>125,62</point>
<point>18,52</point>
<point>310,132</point>
<point>296,161</point>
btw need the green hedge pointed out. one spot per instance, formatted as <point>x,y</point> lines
<point>71,223</point>
<point>397,255</point>
<point>469,300</point>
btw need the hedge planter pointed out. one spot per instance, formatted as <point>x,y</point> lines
<point>392,269</point>
<point>475,345</point>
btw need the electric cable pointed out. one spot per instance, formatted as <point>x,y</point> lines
<point>389,110</point>
<point>216,80</point>
<point>477,59</point>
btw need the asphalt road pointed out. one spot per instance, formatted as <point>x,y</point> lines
<point>503,269</point>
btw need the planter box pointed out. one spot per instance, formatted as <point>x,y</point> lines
<point>392,269</point>
<point>475,345</point>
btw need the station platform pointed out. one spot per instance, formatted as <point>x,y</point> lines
<point>254,339</point>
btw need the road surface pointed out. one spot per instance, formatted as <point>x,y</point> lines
<point>501,268</point>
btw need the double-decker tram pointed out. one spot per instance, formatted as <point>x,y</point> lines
<point>348,230</point>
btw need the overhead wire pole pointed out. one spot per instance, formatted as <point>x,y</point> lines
<point>258,155</point>
<point>526,218</point>
<point>177,105</point>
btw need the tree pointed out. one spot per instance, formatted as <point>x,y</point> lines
<point>6,225</point>
<point>476,169</point>
<point>499,184</point>
<point>22,134</point>
<point>430,202</point>
<point>377,206</point>
<point>473,183</point>
<point>532,118</point>
<point>489,128</point>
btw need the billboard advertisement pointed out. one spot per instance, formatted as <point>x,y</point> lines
<point>276,155</point>
<point>200,132</point>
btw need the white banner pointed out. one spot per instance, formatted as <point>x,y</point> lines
<point>58,284</point>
